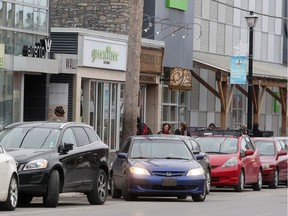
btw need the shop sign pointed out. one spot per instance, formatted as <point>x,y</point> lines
<point>147,78</point>
<point>40,50</point>
<point>100,53</point>
<point>151,60</point>
<point>180,79</point>
<point>2,55</point>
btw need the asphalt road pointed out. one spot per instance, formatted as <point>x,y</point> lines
<point>222,202</point>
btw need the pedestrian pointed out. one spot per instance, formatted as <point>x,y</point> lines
<point>256,131</point>
<point>142,128</point>
<point>58,113</point>
<point>165,129</point>
<point>244,129</point>
<point>183,130</point>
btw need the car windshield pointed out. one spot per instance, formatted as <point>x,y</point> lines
<point>29,138</point>
<point>218,145</point>
<point>265,147</point>
<point>161,149</point>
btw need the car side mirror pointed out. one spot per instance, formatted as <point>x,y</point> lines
<point>122,155</point>
<point>67,147</point>
<point>199,157</point>
<point>281,153</point>
<point>249,152</point>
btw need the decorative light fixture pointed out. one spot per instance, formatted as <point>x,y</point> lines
<point>251,23</point>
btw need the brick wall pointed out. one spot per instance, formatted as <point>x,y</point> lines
<point>101,15</point>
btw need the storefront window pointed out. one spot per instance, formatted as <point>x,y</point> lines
<point>19,17</point>
<point>174,107</point>
<point>10,16</point>
<point>6,97</point>
<point>2,13</point>
<point>28,17</point>
<point>105,111</point>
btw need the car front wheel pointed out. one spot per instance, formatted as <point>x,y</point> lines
<point>208,181</point>
<point>258,185</point>
<point>200,197</point>
<point>274,183</point>
<point>11,202</point>
<point>51,198</point>
<point>240,186</point>
<point>99,193</point>
<point>115,192</point>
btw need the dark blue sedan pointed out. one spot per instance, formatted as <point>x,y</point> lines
<point>157,165</point>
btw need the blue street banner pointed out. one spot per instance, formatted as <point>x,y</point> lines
<point>238,70</point>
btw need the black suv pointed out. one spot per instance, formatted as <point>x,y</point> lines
<point>57,157</point>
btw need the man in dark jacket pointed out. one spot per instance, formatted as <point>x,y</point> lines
<point>256,131</point>
<point>142,128</point>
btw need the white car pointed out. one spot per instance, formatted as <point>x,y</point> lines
<point>9,181</point>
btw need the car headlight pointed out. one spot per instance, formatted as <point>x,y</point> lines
<point>231,162</point>
<point>265,165</point>
<point>196,172</point>
<point>36,164</point>
<point>139,171</point>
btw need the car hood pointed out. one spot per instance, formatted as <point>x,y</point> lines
<point>219,159</point>
<point>165,164</point>
<point>22,155</point>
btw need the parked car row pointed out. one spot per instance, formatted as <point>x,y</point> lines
<point>44,159</point>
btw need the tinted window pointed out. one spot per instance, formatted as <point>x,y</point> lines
<point>30,138</point>
<point>222,145</point>
<point>265,147</point>
<point>81,136</point>
<point>150,148</point>
<point>249,143</point>
<point>91,134</point>
<point>195,145</point>
<point>68,137</point>
<point>126,145</point>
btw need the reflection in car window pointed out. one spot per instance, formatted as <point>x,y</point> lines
<point>92,135</point>
<point>221,145</point>
<point>68,137</point>
<point>125,147</point>
<point>30,138</point>
<point>149,148</point>
<point>249,143</point>
<point>81,136</point>
<point>265,147</point>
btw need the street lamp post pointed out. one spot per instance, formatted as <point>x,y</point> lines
<point>251,20</point>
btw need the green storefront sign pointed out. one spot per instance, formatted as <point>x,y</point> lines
<point>106,55</point>
<point>2,54</point>
<point>177,4</point>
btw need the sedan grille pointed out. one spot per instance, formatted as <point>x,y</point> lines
<point>168,173</point>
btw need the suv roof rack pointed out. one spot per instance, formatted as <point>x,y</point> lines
<point>220,132</point>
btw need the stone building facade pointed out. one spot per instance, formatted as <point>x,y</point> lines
<point>101,15</point>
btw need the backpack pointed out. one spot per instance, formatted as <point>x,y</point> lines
<point>145,128</point>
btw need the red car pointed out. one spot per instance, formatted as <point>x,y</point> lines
<point>233,158</point>
<point>273,156</point>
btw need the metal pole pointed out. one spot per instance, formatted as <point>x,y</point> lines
<point>250,81</point>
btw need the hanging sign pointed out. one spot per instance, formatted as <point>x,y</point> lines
<point>238,70</point>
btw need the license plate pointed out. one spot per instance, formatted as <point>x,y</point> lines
<point>170,182</point>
